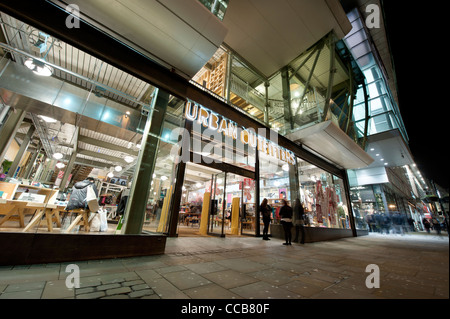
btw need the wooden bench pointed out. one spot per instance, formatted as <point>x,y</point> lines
<point>82,219</point>
<point>9,208</point>
<point>51,212</point>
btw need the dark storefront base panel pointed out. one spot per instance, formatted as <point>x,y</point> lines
<point>23,249</point>
<point>315,234</point>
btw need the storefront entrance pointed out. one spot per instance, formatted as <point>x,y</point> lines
<point>225,198</point>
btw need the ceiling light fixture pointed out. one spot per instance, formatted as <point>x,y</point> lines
<point>128,159</point>
<point>58,155</point>
<point>118,168</point>
<point>48,119</point>
<point>110,175</point>
<point>164,178</point>
<point>38,67</point>
<point>60,165</point>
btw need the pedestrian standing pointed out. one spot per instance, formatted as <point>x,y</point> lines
<point>436,225</point>
<point>286,221</point>
<point>266,212</point>
<point>299,214</point>
<point>426,224</point>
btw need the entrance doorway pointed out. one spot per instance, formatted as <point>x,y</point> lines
<point>212,193</point>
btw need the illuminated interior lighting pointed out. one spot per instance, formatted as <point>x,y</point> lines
<point>60,165</point>
<point>128,159</point>
<point>38,67</point>
<point>48,119</point>
<point>57,155</point>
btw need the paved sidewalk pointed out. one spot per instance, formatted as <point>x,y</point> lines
<point>411,266</point>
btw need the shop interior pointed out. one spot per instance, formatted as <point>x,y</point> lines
<point>74,118</point>
<point>322,196</point>
<point>222,187</point>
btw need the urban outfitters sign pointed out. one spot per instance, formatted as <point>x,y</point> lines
<point>208,119</point>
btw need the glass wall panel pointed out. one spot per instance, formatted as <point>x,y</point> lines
<point>83,120</point>
<point>323,197</point>
<point>274,185</point>
<point>247,90</point>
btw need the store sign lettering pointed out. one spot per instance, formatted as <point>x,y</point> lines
<point>202,116</point>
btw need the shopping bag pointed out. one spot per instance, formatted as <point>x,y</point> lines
<point>103,220</point>
<point>95,222</point>
<point>91,199</point>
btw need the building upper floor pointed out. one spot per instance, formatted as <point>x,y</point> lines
<point>283,64</point>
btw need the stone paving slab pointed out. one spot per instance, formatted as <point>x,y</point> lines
<point>411,267</point>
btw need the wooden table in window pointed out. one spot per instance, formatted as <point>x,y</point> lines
<point>9,208</point>
<point>52,212</point>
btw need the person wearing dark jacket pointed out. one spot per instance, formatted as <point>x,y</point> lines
<point>427,225</point>
<point>286,221</point>
<point>266,213</point>
<point>299,220</point>
<point>79,194</point>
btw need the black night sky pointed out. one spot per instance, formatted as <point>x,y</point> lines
<point>417,35</point>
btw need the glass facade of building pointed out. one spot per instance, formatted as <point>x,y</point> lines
<point>385,198</point>
<point>91,119</point>
<point>86,120</point>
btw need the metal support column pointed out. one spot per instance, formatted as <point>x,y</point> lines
<point>145,165</point>
<point>68,171</point>
<point>228,76</point>
<point>319,49</point>
<point>9,130</point>
<point>352,99</point>
<point>31,163</point>
<point>257,194</point>
<point>287,98</point>
<point>72,159</point>
<point>294,188</point>
<point>349,201</point>
<point>267,105</point>
<point>224,205</point>
<point>332,48</point>
<point>23,147</point>
<point>366,122</point>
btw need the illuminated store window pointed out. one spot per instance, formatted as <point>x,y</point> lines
<point>81,118</point>
<point>323,197</point>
